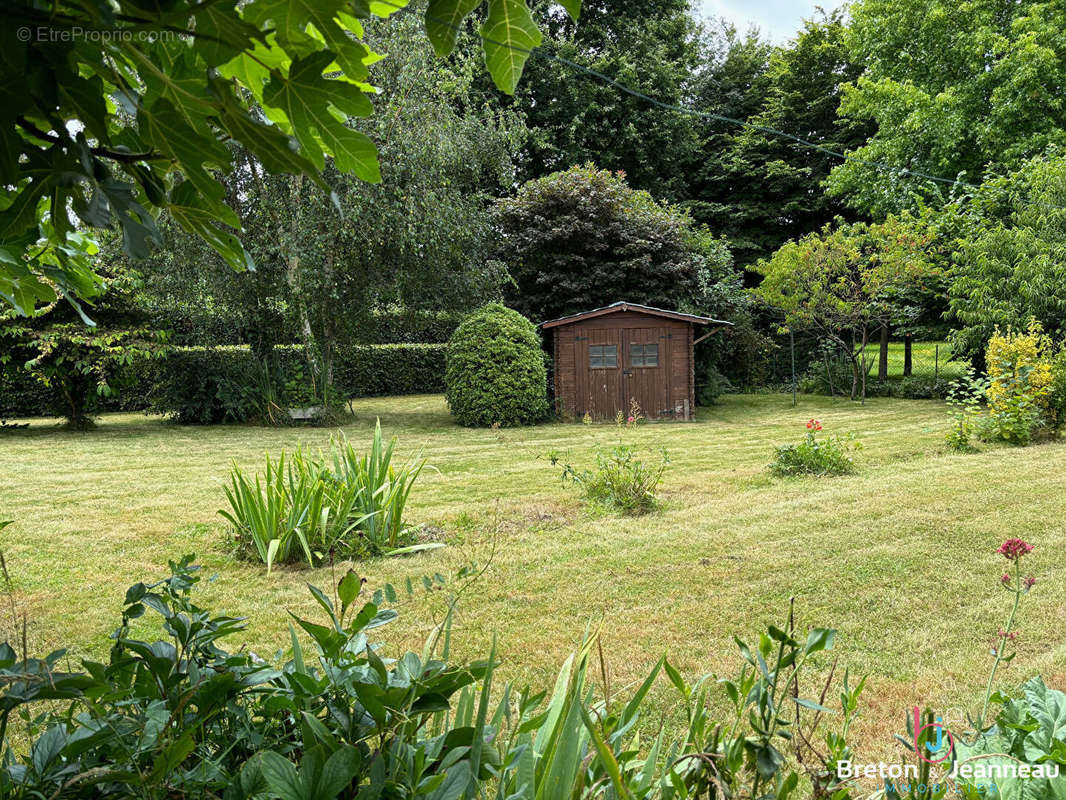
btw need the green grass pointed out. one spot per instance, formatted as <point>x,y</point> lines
<point>899,557</point>
<point>924,358</point>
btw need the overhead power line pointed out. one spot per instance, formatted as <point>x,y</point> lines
<point>541,52</point>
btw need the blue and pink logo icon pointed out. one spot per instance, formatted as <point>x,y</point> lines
<point>939,744</point>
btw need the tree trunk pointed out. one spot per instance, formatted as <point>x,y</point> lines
<point>906,355</point>
<point>854,367</point>
<point>865,341</point>
<point>882,356</point>
<point>290,254</point>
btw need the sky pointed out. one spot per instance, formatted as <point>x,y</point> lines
<point>777,19</point>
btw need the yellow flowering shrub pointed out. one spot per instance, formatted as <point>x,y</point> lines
<point>1009,356</point>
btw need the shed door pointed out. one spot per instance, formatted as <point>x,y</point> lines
<point>600,361</point>
<point>646,378</point>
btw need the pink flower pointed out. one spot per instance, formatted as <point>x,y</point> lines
<point>1029,582</point>
<point>1005,579</point>
<point>1013,549</point>
<point>631,419</point>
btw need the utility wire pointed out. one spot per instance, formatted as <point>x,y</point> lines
<point>541,52</point>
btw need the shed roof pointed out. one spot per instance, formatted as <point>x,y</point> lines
<point>637,307</point>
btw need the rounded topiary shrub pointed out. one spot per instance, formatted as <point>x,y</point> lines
<point>494,370</point>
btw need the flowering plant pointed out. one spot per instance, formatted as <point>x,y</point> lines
<point>1014,550</point>
<point>814,456</point>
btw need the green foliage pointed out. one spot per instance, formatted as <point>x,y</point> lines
<point>383,491</point>
<point>495,372</point>
<point>201,386</point>
<point>136,118</point>
<point>758,189</point>
<point>621,483</point>
<point>711,386</point>
<point>338,718</point>
<point>1030,729</point>
<point>653,47</point>
<point>308,508</point>
<point>952,90</point>
<point>582,239</point>
<point>846,281</point>
<point>814,455</point>
<point>184,715</point>
<point>964,400</point>
<point>1056,397</point>
<point>1008,267</point>
<point>1019,380</point>
<point>80,365</point>
<point>420,241</point>
<point>1019,414</point>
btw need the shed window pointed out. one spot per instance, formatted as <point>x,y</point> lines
<point>603,356</point>
<point>644,355</point>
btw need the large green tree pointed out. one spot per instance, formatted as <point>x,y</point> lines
<point>116,109</point>
<point>848,281</point>
<point>953,89</point>
<point>759,188</point>
<point>651,46</point>
<point>1009,254</point>
<point>732,83</point>
<point>419,239</point>
<point>583,238</point>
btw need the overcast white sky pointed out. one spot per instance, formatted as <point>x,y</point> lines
<point>777,19</point>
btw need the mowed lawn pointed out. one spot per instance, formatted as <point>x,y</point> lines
<point>899,557</point>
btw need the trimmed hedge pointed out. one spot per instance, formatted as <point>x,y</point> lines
<point>197,385</point>
<point>496,373</point>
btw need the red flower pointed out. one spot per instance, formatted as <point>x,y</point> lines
<point>1029,582</point>
<point>1013,549</point>
<point>1005,579</point>
<point>810,424</point>
<point>817,425</point>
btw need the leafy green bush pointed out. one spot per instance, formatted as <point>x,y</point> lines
<point>300,507</point>
<point>1017,414</point>
<point>712,386</point>
<point>964,400</point>
<point>495,372</point>
<point>206,386</point>
<point>620,483</point>
<point>814,456</point>
<point>183,717</point>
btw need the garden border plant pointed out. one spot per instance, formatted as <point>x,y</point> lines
<point>350,505</point>
<point>828,456</point>
<point>621,482</point>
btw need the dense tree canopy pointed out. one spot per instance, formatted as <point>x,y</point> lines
<point>953,89</point>
<point>757,188</point>
<point>583,238</point>
<point>1010,254</point>
<point>651,46</point>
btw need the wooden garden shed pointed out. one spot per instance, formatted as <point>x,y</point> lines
<point>608,359</point>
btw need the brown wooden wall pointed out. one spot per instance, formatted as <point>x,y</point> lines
<point>661,391</point>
